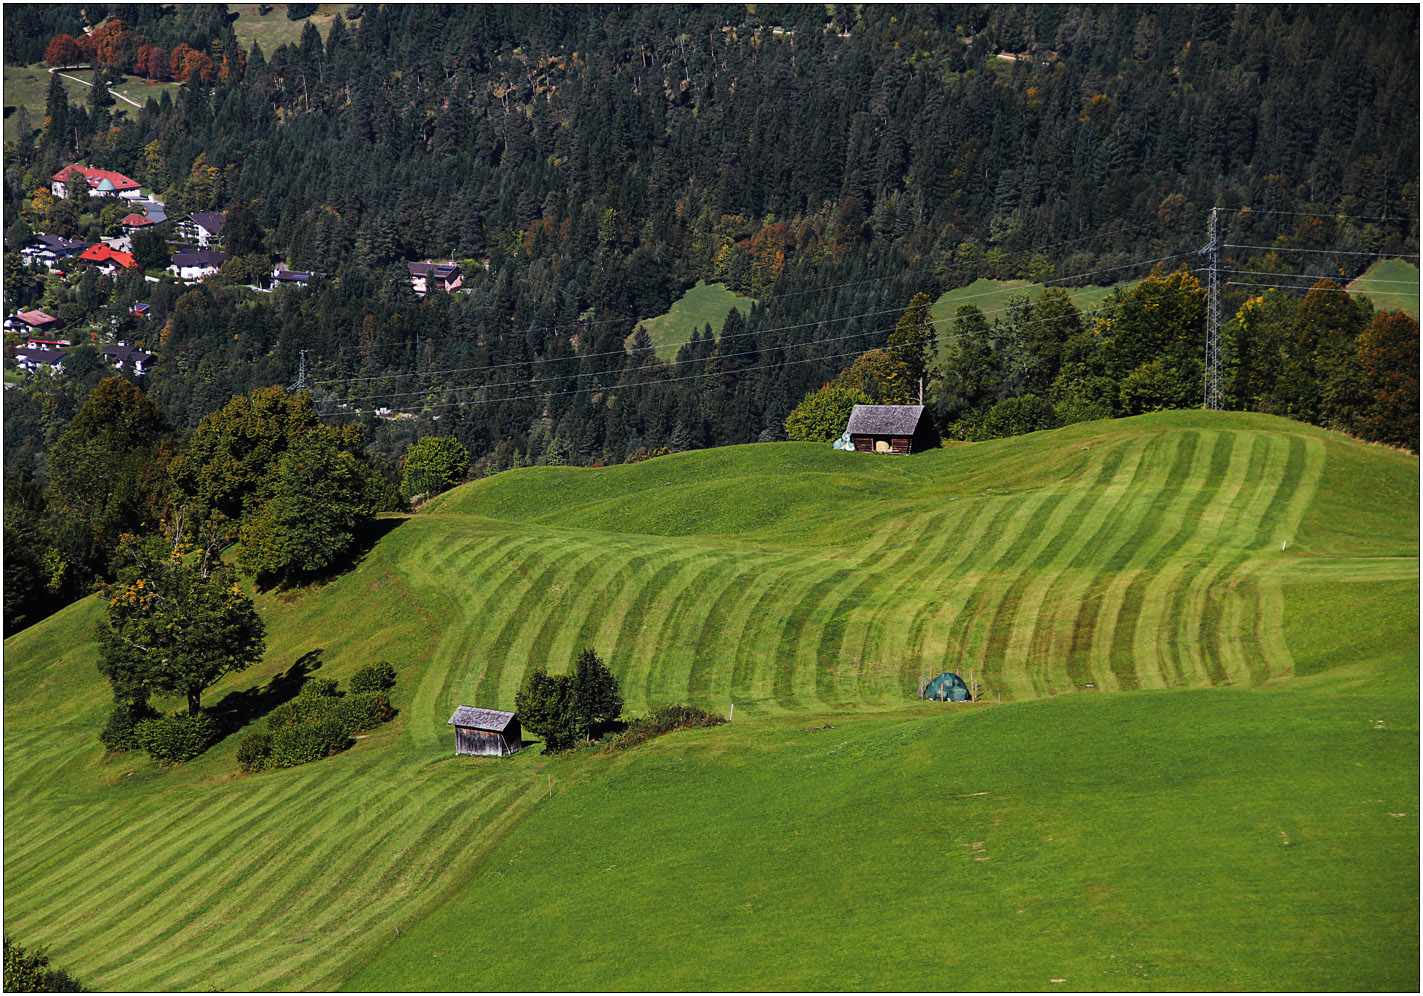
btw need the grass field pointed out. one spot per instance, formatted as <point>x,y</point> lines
<point>1392,285</point>
<point>1225,824</point>
<point>705,304</point>
<point>28,86</point>
<point>273,29</point>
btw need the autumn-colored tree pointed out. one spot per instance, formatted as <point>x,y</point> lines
<point>1388,353</point>
<point>880,376</point>
<point>115,45</point>
<point>62,51</point>
<point>192,66</point>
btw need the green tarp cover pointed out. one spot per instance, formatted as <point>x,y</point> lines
<point>947,687</point>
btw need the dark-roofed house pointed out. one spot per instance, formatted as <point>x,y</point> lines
<point>32,360</point>
<point>486,731</point>
<point>196,263</point>
<point>891,429</point>
<point>201,227</point>
<point>125,357</point>
<point>47,249</point>
<point>435,276</point>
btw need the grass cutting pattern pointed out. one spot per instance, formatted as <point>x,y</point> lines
<point>784,578</point>
<point>1148,562</point>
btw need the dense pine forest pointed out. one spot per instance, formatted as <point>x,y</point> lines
<point>585,166</point>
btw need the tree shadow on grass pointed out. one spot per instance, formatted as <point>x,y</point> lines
<point>237,709</point>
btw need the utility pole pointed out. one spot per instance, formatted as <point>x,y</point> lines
<point>1212,253</point>
<point>300,384</point>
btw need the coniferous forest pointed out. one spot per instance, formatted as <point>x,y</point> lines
<point>586,165</point>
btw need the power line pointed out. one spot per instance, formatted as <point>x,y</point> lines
<point>997,329</point>
<point>1305,214</point>
<point>750,332</point>
<point>1312,288</point>
<point>1330,252</point>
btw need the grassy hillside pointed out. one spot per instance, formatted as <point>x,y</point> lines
<point>28,86</point>
<point>1392,285</point>
<point>992,297</point>
<point>274,28</point>
<point>705,304</point>
<point>808,587</point>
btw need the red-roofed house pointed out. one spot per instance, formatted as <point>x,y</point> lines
<point>132,221</point>
<point>100,253</point>
<point>102,182</point>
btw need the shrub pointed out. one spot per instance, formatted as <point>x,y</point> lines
<point>663,719</point>
<point>822,415</point>
<point>120,730</point>
<point>176,738</point>
<point>254,751</point>
<point>305,742</point>
<point>364,711</point>
<point>1016,416</point>
<point>319,687</point>
<point>379,677</point>
<point>31,972</point>
<point>304,709</point>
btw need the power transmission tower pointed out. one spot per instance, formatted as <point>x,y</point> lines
<point>300,384</point>
<point>1212,254</point>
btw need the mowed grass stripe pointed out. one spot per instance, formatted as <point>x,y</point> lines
<point>1034,639</point>
<point>1010,639</point>
<point>680,628</point>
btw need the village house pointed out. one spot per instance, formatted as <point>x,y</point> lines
<point>125,357</point>
<point>34,359</point>
<point>131,222</point>
<point>140,310</point>
<point>107,259</point>
<point>197,263</point>
<point>101,182</point>
<point>282,275</point>
<point>33,322</point>
<point>429,276</point>
<point>46,250</point>
<point>201,227</point>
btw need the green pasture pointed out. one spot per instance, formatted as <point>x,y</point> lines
<point>1225,821</point>
<point>1392,285</point>
<point>704,304</point>
<point>992,297</point>
<point>273,29</point>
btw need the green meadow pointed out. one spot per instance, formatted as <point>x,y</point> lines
<point>273,28</point>
<point>702,305</point>
<point>992,297</point>
<point>1193,765</point>
<point>1391,284</point>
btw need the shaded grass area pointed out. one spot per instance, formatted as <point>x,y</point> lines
<point>704,304</point>
<point>28,87</point>
<point>1392,285</point>
<point>806,587</point>
<point>1145,842</point>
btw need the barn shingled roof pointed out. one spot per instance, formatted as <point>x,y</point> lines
<point>885,420</point>
<point>481,719</point>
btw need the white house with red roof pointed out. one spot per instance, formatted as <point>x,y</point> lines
<point>109,260</point>
<point>33,321</point>
<point>101,182</point>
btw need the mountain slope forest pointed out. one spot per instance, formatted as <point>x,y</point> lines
<point>587,166</point>
<point>1239,812</point>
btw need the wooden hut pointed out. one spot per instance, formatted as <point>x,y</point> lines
<point>486,731</point>
<point>891,429</point>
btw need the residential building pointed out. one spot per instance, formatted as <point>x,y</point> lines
<point>100,182</point>
<point>427,276</point>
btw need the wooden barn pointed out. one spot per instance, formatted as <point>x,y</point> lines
<point>486,732</point>
<point>891,429</point>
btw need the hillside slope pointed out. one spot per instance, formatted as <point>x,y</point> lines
<point>787,579</point>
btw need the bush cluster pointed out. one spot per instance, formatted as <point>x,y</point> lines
<point>663,719</point>
<point>120,729</point>
<point>176,738</point>
<point>319,721</point>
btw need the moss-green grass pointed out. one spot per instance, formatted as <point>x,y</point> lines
<point>702,305</point>
<point>804,586</point>
<point>28,87</point>
<point>274,29</point>
<point>1392,285</point>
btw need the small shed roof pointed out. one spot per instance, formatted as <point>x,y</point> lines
<point>481,719</point>
<point>885,420</point>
